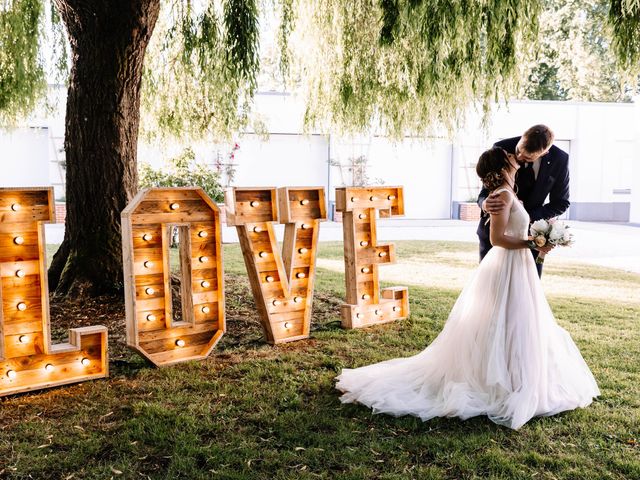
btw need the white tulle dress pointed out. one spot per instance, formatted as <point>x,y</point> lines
<point>500,353</point>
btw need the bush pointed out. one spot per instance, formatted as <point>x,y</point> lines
<point>183,171</point>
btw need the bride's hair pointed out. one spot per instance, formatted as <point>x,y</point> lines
<point>490,167</point>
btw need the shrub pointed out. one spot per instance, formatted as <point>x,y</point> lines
<point>183,171</point>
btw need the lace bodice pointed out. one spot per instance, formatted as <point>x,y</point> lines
<point>518,224</point>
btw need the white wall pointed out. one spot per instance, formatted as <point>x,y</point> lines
<point>603,140</point>
<point>295,160</point>
<point>24,157</point>
<point>422,168</point>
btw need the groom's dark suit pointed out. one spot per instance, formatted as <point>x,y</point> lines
<point>553,180</point>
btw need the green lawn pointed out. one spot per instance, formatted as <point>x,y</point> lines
<point>258,411</point>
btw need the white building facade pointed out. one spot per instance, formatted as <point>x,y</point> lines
<point>602,139</point>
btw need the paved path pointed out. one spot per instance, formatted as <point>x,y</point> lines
<point>605,244</point>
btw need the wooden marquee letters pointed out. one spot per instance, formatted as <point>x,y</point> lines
<point>28,359</point>
<point>153,329</point>
<point>282,285</point>
<point>363,255</point>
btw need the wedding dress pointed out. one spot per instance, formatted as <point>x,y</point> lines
<point>500,353</point>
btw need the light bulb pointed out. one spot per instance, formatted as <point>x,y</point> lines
<point>262,254</point>
<point>287,325</point>
<point>85,361</point>
<point>49,368</point>
<point>203,259</point>
<point>362,216</point>
<point>18,240</point>
<point>22,306</point>
<point>305,226</point>
<point>151,317</point>
<point>304,202</point>
<point>254,203</point>
<point>364,243</point>
<point>147,237</point>
<point>297,299</point>
<point>391,197</point>
<point>373,198</point>
<point>302,250</point>
<point>257,229</point>
<point>276,303</point>
<point>358,315</point>
<point>269,278</point>
<point>202,234</point>
<point>11,374</point>
<point>365,270</point>
<point>366,296</point>
<point>20,273</point>
<point>395,309</point>
<point>148,264</point>
<point>15,207</point>
<point>300,275</point>
<point>354,199</point>
<point>180,342</point>
<point>205,309</point>
<point>382,254</point>
<point>174,206</point>
<point>378,312</point>
<point>23,339</point>
<point>149,291</point>
<point>205,284</point>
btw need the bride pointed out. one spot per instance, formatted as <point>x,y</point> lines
<point>501,352</point>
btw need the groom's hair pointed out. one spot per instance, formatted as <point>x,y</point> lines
<point>537,138</point>
<point>490,167</point>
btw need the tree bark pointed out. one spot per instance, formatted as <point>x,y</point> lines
<point>108,43</point>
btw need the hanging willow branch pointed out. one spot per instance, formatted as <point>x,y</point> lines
<point>624,17</point>
<point>201,70</point>
<point>408,66</point>
<point>22,81</point>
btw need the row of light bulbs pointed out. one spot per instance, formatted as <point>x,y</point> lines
<point>147,237</point>
<point>378,311</point>
<point>151,317</point>
<point>373,198</point>
<point>258,229</point>
<point>301,251</point>
<point>204,284</point>
<point>275,302</point>
<point>364,243</point>
<point>270,278</point>
<point>255,203</point>
<point>49,367</point>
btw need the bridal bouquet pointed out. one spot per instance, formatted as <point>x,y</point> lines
<point>549,232</point>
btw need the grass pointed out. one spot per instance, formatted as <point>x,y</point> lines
<point>261,412</point>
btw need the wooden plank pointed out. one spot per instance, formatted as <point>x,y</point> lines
<point>186,286</point>
<point>176,332</point>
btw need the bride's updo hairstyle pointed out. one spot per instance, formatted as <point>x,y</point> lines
<point>490,167</point>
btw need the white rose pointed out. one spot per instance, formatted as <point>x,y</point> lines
<point>557,232</point>
<point>539,226</point>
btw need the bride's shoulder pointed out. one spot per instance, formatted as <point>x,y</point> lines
<point>504,194</point>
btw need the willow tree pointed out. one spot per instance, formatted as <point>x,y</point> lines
<point>403,66</point>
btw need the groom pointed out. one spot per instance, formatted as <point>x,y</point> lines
<point>544,172</point>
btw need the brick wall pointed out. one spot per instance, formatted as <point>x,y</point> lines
<point>469,211</point>
<point>61,212</point>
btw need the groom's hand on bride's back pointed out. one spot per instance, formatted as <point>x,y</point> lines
<point>493,205</point>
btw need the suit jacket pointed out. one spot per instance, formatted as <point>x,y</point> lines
<point>552,181</point>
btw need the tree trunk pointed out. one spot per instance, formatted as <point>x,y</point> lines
<point>108,43</point>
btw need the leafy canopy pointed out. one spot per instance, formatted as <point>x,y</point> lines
<point>402,66</point>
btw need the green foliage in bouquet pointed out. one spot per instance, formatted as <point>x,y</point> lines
<point>183,171</point>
